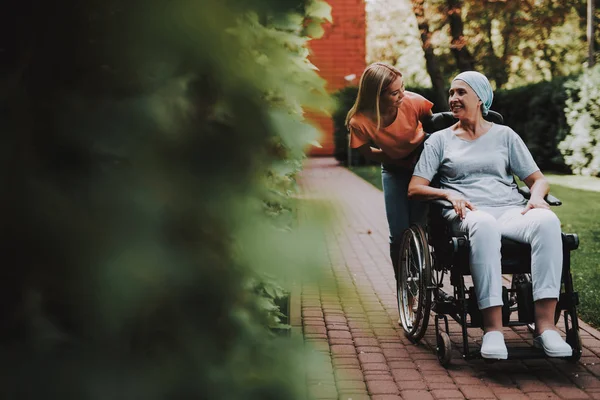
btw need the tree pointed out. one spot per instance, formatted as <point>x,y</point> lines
<point>433,69</point>
<point>520,42</point>
<point>393,37</point>
<point>458,45</point>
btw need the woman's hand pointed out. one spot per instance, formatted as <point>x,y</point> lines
<point>535,202</point>
<point>460,204</point>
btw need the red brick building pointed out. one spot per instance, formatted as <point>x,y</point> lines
<point>339,54</point>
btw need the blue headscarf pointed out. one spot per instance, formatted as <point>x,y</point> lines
<point>480,85</point>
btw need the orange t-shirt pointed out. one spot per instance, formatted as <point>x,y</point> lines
<point>402,136</point>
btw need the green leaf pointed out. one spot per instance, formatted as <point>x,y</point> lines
<point>319,9</point>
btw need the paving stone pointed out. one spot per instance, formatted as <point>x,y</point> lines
<point>447,394</point>
<point>343,349</point>
<point>351,386</point>
<point>366,341</point>
<point>375,366</point>
<point>407,375</point>
<point>416,395</point>
<point>365,358</point>
<point>355,396</point>
<point>382,387</point>
<point>477,392</point>
<point>543,396</point>
<point>369,349</point>
<point>571,393</point>
<point>334,341</point>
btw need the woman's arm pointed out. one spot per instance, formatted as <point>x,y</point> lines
<point>539,188</point>
<point>378,155</point>
<point>419,189</point>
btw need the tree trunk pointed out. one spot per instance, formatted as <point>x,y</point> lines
<point>498,70</point>
<point>458,45</point>
<point>591,11</point>
<point>431,62</point>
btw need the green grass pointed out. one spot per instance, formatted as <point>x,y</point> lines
<point>580,213</point>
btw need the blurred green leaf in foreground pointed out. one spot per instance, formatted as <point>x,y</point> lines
<point>149,152</point>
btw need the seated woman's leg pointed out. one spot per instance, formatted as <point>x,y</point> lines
<point>484,238</point>
<point>541,229</point>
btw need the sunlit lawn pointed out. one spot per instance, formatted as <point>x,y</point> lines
<point>580,213</point>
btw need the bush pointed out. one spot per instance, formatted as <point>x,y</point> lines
<point>149,156</point>
<point>344,100</point>
<point>581,147</point>
<point>536,113</point>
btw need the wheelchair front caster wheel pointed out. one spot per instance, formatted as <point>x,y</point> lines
<point>444,349</point>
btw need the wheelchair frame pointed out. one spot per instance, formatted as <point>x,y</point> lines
<point>428,254</point>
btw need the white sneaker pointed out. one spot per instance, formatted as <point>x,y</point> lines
<point>493,346</point>
<point>553,344</point>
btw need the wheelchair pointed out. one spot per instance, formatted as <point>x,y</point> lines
<point>431,253</point>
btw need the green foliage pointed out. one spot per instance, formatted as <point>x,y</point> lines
<point>536,113</point>
<point>581,147</point>
<point>150,154</point>
<point>513,42</point>
<point>394,43</point>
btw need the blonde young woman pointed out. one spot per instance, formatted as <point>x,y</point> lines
<point>387,115</point>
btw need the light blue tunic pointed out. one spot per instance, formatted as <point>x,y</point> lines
<point>482,169</point>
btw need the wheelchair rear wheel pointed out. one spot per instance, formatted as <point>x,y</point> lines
<point>414,283</point>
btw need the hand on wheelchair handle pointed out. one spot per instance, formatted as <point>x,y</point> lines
<point>535,203</point>
<point>460,204</point>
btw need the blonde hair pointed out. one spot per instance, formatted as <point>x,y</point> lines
<point>375,79</point>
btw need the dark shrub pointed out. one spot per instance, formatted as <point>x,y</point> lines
<point>536,113</point>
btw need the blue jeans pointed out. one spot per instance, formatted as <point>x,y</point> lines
<point>401,212</point>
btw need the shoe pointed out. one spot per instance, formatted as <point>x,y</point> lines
<point>493,346</point>
<point>553,344</point>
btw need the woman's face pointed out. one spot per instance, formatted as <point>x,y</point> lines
<point>393,95</point>
<point>462,100</point>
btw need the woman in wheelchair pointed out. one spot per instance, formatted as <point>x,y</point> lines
<point>474,161</point>
<point>386,115</point>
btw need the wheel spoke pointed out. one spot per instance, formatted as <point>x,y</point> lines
<point>413,280</point>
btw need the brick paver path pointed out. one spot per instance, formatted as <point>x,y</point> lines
<point>349,320</point>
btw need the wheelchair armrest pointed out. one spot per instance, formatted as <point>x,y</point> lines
<point>553,201</point>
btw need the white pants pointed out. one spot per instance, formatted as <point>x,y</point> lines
<point>539,228</point>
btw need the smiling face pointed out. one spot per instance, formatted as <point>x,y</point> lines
<point>392,96</point>
<point>463,101</point>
